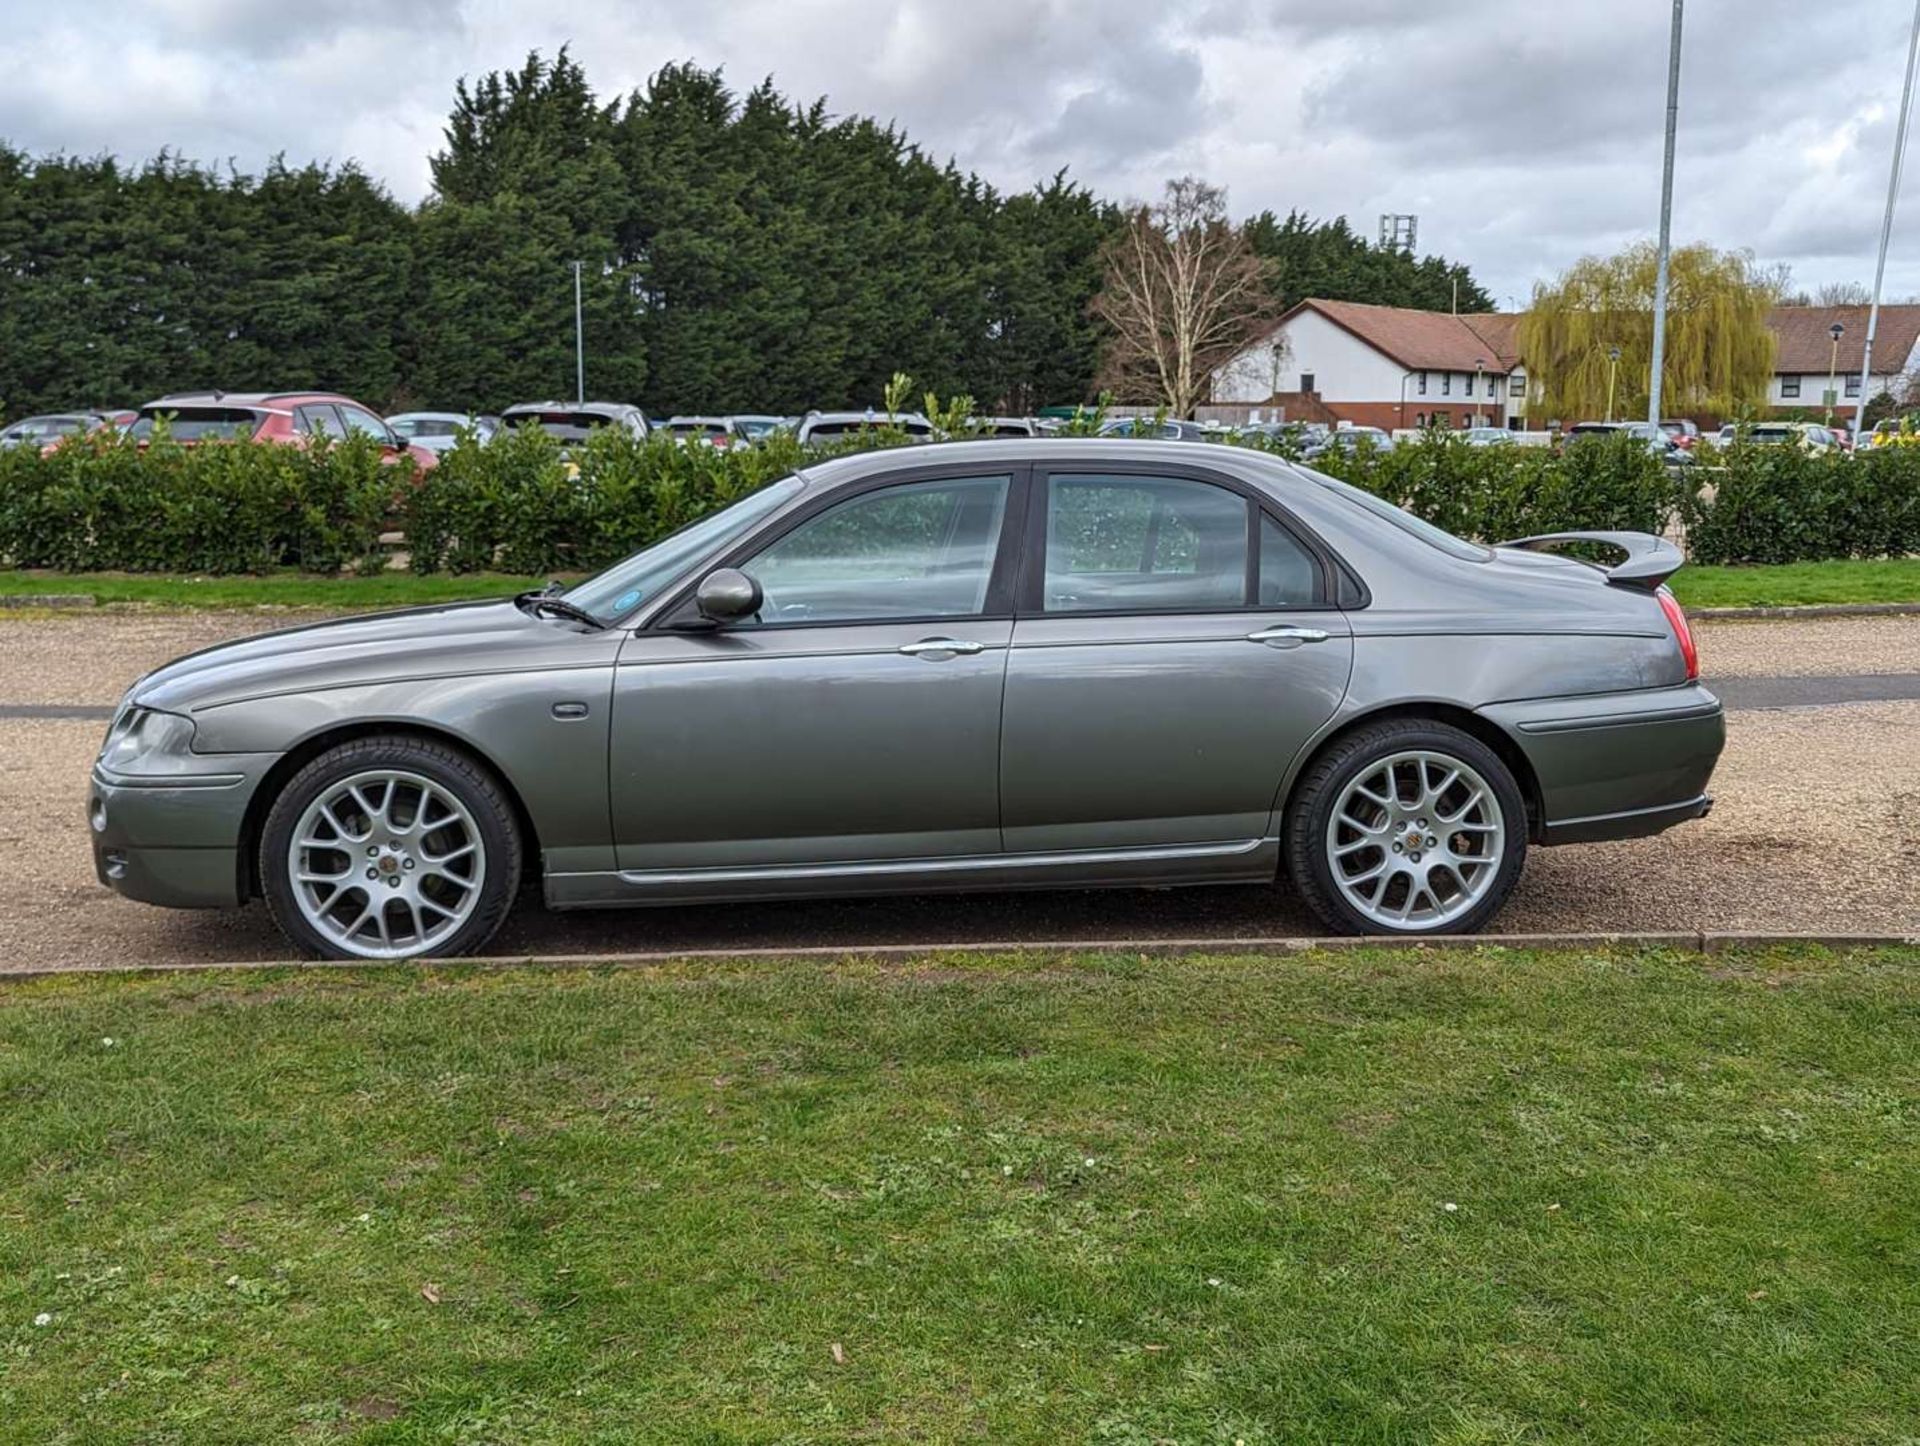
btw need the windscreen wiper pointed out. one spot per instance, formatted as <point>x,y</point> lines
<point>545,600</point>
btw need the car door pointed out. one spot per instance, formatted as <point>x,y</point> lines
<point>359,419</point>
<point>1176,646</point>
<point>856,718</point>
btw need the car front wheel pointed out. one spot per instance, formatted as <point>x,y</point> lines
<point>1407,827</point>
<point>390,848</point>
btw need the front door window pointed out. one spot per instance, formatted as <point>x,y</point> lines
<point>918,550</point>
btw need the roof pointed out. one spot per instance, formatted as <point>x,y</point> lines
<point>1424,340</point>
<point>1806,341</point>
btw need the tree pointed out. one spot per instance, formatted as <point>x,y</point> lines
<point>1328,260</point>
<point>1182,292</point>
<point>1719,353</point>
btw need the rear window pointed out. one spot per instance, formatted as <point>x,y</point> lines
<point>847,429</point>
<point>1405,521</point>
<point>568,426</point>
<point>198,424</point>
<point>696,429</point>
<point>425,427</point>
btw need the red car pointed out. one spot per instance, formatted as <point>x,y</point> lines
<point>288,417</point>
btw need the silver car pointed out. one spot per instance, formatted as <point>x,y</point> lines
<point>1041,663</point>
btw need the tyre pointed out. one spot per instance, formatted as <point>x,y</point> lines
<point>390,848</point>
<point>1406,826</point>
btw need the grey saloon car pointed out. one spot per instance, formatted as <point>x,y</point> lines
<point>1040,663</point>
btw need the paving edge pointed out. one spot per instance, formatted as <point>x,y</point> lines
<point>1806,611</point>
<point>1692,942</point>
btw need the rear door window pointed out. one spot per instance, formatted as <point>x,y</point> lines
<point>1144,544</point>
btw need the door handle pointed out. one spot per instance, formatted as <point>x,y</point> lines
<point>1288,636</point>
<point>941,645</point>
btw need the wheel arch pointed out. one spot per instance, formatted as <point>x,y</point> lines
<point>274,781</point>
<point>1473,724</point>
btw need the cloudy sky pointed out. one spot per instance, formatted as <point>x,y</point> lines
<point>1523,134</point>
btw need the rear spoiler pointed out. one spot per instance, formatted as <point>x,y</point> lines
<point>1650,560</point>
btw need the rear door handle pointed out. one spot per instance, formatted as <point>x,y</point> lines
<point>1288,637</point>
<point>941,645</point>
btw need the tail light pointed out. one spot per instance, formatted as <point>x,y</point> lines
<point>1682,633</point>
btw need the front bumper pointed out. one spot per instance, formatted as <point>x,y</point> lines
<point>172,839</point>
<point>1618,765</point>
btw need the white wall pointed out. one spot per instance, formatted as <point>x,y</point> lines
<point>1345,370</point>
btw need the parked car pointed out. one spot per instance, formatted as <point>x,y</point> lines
<point>291,418</point>
<point>1487,437</point>
<point>824,426</point>
<point>1807,436</point>
<point>1166,429</point>
<point>980,665</point>
<point>1685,433</point>
<point>753,426</point>
<point>1656,439</point>
<point>1002,427</point>
<point>438,431</point>
<point>708,431</point>
<point>1896,432</point>
<point>50,429</point>
<point>1349,439</point>
<point>576,421</point>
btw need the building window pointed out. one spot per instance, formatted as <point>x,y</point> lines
<point>1306,381</point>
<point>1469,384</point>
<point>1446,384</point>
<point>1516,385</point>
<point>1423,384</point>
<point>1789,386</point>
<point>1853,385</point>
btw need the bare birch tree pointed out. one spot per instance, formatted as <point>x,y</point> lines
<point>1182,293</point>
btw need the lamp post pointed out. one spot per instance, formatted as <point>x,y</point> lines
<point>579,344</point>
<point>1886,225</point>
<point>1405,377</point>
<point>1836,331</point>
<point>1613,366</point>
<point>1479,378</point>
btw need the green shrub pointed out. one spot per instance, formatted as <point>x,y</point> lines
<point>523,503</point>
<point>1497,493</point>
<point>1764,504</point>
<point>108,503</point>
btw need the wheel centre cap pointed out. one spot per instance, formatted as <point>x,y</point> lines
<point>389,863</point>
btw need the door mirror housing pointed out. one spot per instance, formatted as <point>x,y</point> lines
<point>728,595</point>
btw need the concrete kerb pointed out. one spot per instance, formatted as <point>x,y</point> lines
<point>1690,942</point>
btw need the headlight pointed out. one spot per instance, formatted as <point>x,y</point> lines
<point>138,733</point>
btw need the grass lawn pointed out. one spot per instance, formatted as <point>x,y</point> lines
<point>1470,1196</point>
<point>1796,584</point>
<point>278,589</point>
<point>1697,587</point>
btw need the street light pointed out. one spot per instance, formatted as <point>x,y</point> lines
<point>1836,331</point>
<point>1613,366</point>
<point>1479,368</point>
<point>1404,378</point>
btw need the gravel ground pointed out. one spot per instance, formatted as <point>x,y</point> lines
<point>1817,827</point>
<point>1815,648</point>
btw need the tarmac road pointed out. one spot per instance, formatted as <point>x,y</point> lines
<point>1816,825</point>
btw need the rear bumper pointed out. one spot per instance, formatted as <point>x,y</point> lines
<point>1618,765</point>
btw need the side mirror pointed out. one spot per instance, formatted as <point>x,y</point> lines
<point>727,595</point>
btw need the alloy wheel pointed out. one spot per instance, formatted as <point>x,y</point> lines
<point>386,864</point>
<point>1415,840</point>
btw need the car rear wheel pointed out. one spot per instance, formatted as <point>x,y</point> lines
<point>390,848</point>
<point>1407,826</point>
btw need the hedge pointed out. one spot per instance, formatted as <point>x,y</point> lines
<point>520,504</point>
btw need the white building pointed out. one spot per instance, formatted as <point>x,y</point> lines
<point>1808,362</point>
<point>1389,366</point>
<point>1380,366</point>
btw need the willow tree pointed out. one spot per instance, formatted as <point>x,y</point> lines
<point>1720,351</point>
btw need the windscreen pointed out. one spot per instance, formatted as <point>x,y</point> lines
<point>568,426</point>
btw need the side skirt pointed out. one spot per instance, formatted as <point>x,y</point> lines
<point>1238,862</point>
